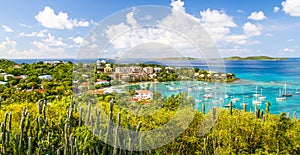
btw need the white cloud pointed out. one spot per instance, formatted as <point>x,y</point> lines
<point>49,19</point>
<point>251,29</point>
<point>53,41</point>
<point>130,19</point>
<point>34,34</point>
<point>217,23</point>
<point>288,50</point>
<point>79,41</point>
<point>7,47</point>
<point>178,5</point>
<point>291,7</point>
<point>25,25</point>
<point>259,15</point>
<point>7,43</point>
<point>7,28</point>
<point>276,9</point>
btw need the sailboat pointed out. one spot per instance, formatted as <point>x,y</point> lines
<point>297,92</point>
<point>261,97</point>
<point>255,100</point>
<point>280,97</point>
<point>284,93</point>
<point>256,94</point>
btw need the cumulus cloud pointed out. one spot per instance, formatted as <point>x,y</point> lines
<point>178,5</point>
<point>291,7</point>
<point>257,15</point>
<point>251,29</point>
<point>79,41</point>
<point>7,47</point>
<point>53,41</point>
<point>276,9</point>
<point>217,23</point>
<point>49,19</point>
<point>7,28</point>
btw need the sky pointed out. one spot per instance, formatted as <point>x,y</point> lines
<point>56,29</point>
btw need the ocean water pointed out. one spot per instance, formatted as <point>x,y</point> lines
<point>270,76</point>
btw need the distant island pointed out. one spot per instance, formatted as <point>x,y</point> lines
<point>254,58</point>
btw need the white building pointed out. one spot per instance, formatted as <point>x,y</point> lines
<point>157,70</point>
<point>143,95</point>
<point>148,70</point>
<point>45,77</point>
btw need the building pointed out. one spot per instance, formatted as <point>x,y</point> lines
<point>45,77</point>
<point>143,95</point>
<point>157,70</point>
<point>148,70</point>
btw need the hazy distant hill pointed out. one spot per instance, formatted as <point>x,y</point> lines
<point>253,58</point>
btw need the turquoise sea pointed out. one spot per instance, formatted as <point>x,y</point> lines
<point>269,76</point>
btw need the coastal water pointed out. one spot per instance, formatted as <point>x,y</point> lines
<point>268,76</point>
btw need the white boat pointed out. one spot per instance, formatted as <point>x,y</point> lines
<point>255,100</point>
<point>261,97</point>
<point>207,96</point>
<point>280,97</point>
<point>197,100</point>
<point>256,94</point>
<point>297,92</point>
<point>284,93</point>
<point>170,88</point>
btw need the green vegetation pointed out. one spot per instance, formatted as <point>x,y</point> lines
<point>59,128</point>
<point>54,121</point>
<point>254,58</point>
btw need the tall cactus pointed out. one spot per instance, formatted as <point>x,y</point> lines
<point>203,108</point>
<point>245,107</point>
<point>268,104</point>
<point>108,133</point>
<point>29,146</point>
<point>115,152</point>
<point>230,106</point>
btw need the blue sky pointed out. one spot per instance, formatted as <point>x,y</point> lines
<point>55,29</point>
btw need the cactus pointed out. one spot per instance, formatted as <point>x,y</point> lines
<point>88,115</point>
<point>108,133</point>
<point>115,152</point>
<point>45,108</point>
<point>203,108</point>
<point>295,116</point>
<point>80,116</point>
<point>29,146</point>
<point>213,115</point>
<point>230,104</point>
<point>17,144</point>
<point>10,121</point>
<point>268,104</point>
<point>3,128</point>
